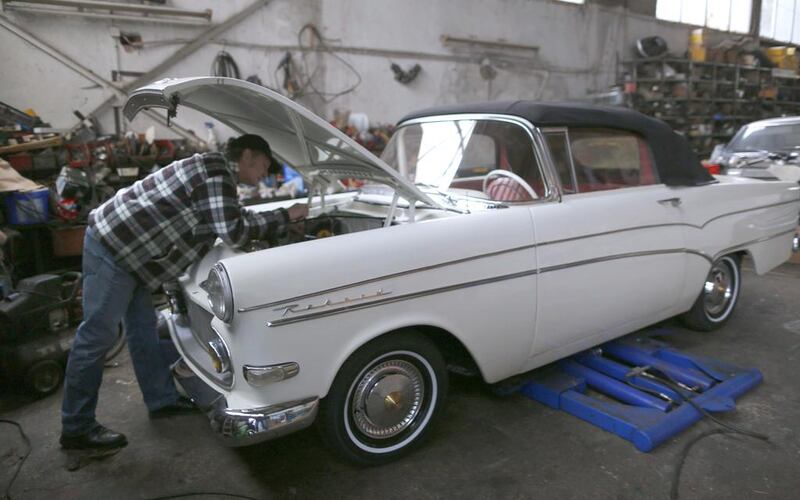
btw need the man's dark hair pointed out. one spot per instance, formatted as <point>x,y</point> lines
<point>237,145</point>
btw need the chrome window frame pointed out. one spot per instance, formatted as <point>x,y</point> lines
<point>570,165</point>
<point>540,151</point>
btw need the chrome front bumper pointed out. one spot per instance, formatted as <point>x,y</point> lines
<point>237,427</point>
<point>246,427</point>
<point>252,425</point>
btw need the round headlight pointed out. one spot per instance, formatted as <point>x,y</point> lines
<point>220,295</point>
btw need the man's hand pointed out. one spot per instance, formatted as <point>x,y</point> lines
<point>297,212</point>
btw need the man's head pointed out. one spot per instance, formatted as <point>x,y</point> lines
<point>254,157</point>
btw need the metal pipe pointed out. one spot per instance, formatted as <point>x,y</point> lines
<point>638,357</point>
<point>116,17</point>
<point>447,39</point>
<point>115,6</point>
<point>613,388</point>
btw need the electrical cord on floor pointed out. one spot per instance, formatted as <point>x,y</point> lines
<point>204,493</point>
<point>675,481</point>
<point>7,492</point>
<point>726,427</point>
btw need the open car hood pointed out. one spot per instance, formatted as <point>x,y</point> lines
<point>308,143</point>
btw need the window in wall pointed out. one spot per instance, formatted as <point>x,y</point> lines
<point>724,15</point>
<point>573,1</point>
<point>780,20</point>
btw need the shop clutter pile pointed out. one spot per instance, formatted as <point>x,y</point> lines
<point>357,126</point>
<point>50,181</point>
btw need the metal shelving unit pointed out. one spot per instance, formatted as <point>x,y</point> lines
<point>707,101</point>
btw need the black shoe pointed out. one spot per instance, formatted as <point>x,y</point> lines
<point>98,438</point>
<point>182,406</point>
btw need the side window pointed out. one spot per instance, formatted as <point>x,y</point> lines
<point>559,152</point>
<point>500,146</point>
<point>610,159</point>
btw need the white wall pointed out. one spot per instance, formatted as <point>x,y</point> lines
<point>578,50</point>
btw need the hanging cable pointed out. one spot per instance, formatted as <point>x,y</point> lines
<point>224,65</point>
<point>324,47</point>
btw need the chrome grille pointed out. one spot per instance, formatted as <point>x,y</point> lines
<point>199,323</point>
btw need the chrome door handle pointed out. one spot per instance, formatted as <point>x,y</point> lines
<point>671,201</point>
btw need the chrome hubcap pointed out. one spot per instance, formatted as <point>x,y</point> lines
<point>388,399</point>
<point>718,289</point>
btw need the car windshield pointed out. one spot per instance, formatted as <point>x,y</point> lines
<point>459,153</point>
<point>783,137</point>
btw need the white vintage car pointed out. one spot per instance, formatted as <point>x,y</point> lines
<point>491,238</point>
<point>766,149</point>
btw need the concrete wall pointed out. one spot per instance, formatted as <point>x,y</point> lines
<point>578,50</point>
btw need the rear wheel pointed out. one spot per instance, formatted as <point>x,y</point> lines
<point>385,399</point>
<point>719,296</point>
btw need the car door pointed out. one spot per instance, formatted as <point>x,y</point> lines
<point>611,254</point>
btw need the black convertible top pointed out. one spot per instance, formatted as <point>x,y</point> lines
<point>677,164</point>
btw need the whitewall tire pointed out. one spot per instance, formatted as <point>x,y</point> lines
<point>385,399</point>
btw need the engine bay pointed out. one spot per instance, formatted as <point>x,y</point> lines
<point>321,226</point>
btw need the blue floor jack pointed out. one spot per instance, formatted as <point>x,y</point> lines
<point>647,391</point>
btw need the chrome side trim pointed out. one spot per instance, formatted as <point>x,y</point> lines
<point>709,221</point>
<point>399,298</point>
<point>629,255</point>
<point>649,226</point>
<point>469,284</point>
<point>500,252</point>
<point>386,277</point>
<point>613,231</point>
<point>752,242</point>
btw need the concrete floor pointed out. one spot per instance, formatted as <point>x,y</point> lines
<point>488,446</point>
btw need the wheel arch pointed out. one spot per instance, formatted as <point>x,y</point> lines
<point>457,356</point>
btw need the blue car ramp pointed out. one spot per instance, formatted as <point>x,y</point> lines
<point>640,389</point>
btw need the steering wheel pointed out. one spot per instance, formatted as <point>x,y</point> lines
<point>511,175</point>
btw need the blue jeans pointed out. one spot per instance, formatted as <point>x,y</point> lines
<point>112,295</point>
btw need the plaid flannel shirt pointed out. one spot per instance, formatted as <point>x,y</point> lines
<point>163,223</point>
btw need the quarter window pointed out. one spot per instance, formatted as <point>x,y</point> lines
<point>559,152</point>
<point>610,159</point>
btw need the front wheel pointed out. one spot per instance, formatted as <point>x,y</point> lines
<point>719,296</point>
<point>385,399</point>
